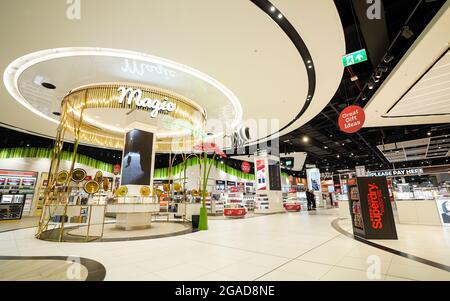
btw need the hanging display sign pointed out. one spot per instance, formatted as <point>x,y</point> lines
<point>231,183</point>
<point>360,171</point>
<point>396,172</point>
<point>245,167</point>
<point>351,119</point>
<point>354,58</point>
<point>155,105</point>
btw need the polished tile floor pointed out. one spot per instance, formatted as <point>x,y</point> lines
<point>291,246</point>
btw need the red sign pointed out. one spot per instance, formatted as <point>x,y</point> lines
<point>116,170</point>
<point>352,119</point>
<point>233,189</point>
<point>245,167</point>
<point>237,212</point>
<point>376,206</point>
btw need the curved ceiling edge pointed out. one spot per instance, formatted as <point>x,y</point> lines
<point>303,50</point>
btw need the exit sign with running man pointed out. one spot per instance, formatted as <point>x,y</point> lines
<point>354,58</point>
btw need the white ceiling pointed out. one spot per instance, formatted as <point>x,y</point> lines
<point>402,101</point>
<point>232,41</point>
<point>418,149</point>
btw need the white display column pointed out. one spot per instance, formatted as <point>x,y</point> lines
<point>269,197</point>
<point>138,162</point>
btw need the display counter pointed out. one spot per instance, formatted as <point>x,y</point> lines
<point>344,210</point>
<point>188,209</point>
<point>418,212</point>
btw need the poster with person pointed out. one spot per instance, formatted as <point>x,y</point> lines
<point>443,206</point>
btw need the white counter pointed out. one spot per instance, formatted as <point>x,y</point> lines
<point>418,212</point>
<point>344,209</point>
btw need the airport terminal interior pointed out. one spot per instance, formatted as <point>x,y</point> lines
<point>238,140</point>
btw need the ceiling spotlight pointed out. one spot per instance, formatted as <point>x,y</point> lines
<point>338,156</point>
<point>272,8</point>
<point>370,85</point>
<point>354,78</point>
<point>48,86</point>
<point>388,58</point>
<point>429,133</point>
<point>325,147</point>
<point>308,61</point>
<point>363,97</point>
<point>280,16</point>
<point>407,32</point>
<point>310,66</point>
<point>305,139</point>
<point>376,79</point>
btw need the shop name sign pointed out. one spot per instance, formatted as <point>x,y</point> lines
<point>129,95</point>
<point>396,172</point>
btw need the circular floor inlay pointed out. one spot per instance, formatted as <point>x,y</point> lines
<point>158,229</point>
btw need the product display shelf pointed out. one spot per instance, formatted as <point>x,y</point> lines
<point>355,208</point>
<point>249,201</point>
<point>262,202</point>
<point>215,204</point>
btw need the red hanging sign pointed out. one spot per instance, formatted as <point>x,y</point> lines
<point>352,119</point>
<point>245,167</point>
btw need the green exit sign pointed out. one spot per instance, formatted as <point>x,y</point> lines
<point>354,58</point>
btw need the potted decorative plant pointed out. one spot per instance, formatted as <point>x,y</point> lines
<point>206,148</point>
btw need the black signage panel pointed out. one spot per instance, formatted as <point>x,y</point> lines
<point>274,175</point>
<point>376,208</point>
<point>231,183</point>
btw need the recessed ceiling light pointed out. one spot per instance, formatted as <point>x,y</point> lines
<point>272,8</point>
<point>310,66</point>
<point>325,147</point>
<point>305,139</point>
<point>338,156</point>
<point>308,61</point>
<point>280,16</point>
<point>48,86</point>
<point>429,133</point>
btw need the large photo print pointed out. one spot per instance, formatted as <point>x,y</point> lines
<point>137,158</point>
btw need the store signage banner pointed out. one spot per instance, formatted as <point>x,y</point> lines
<point>129,95</point>
<point>396,172</point>
<point>376,208</point>
<point>351,119</point>
<point>245,167</point>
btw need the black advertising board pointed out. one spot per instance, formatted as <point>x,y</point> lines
<point>376,209</point>
<point>231,183</point>
<point>274,175</point>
